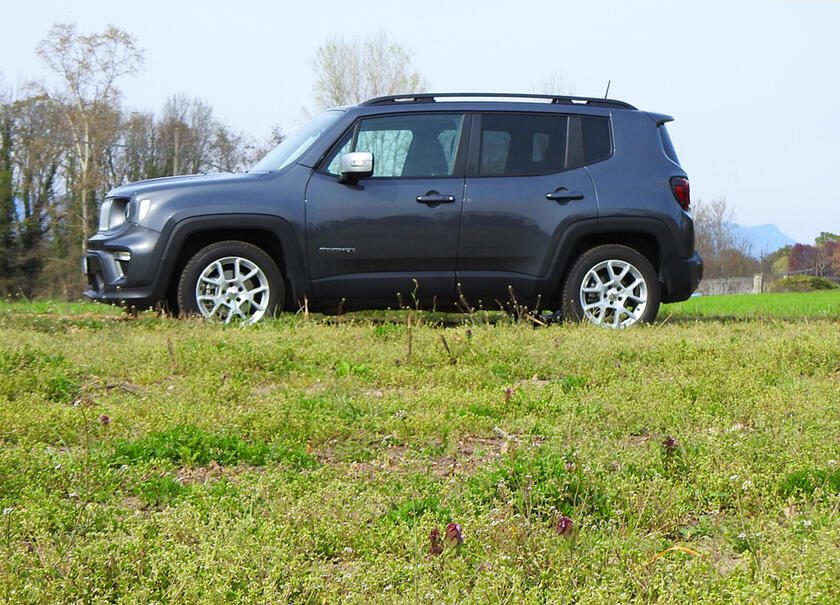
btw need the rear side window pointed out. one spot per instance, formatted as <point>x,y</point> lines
<point>522,144</point>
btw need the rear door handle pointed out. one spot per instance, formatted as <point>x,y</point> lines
<point>433,197</point>
<point>561,194</point>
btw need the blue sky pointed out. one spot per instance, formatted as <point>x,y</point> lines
<point>753,84</point>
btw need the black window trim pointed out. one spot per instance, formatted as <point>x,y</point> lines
<point>458,169</point>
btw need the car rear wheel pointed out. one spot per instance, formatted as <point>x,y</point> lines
<point>611,286</point>
<point>231,281</point>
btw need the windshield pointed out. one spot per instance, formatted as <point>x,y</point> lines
<point>296,145</point>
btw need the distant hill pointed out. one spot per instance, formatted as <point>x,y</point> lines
<point>763,239</point>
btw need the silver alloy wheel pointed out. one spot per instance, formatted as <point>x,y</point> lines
<point>232,288</point>
<point>613,294</point>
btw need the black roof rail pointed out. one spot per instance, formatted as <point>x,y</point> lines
<point>431,97</point>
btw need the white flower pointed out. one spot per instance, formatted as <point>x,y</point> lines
<point>807,523</point>
<point>389,587</point>
<point>8,511</point>
<point>746,485</point>
<point>57,467</point>
<point>832,462</point>
<point>733,478</point>
<point>742,536</point>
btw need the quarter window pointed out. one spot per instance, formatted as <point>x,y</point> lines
<point>596,138</point>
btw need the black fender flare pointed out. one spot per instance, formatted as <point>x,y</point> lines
<point>587,233</point>
<point>292,263</point>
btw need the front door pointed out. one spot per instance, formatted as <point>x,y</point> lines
<point>394,236</point>
<point>522,193</point>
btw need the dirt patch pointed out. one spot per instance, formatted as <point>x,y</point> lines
<point>470,453</point>
<point>206,475</point>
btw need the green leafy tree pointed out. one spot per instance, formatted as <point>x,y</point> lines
<point>7,202</point>
<point>825,237</point>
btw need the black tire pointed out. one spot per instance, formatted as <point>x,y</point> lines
<point>621,286</point>
<point>257,291</point>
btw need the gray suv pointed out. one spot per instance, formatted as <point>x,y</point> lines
<point>453,200</point>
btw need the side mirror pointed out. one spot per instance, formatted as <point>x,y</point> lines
<point>355,165</point>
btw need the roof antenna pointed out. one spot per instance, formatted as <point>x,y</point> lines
<point>607,92</point>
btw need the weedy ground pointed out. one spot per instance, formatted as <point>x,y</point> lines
<point>157,460</point>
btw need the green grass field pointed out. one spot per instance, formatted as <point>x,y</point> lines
<point>171,461</point>
<point>794,306</point>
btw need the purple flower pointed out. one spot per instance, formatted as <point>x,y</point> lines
<point>508,394</point>
<point>564,526</point>
<point>453,537</point>
<point>103,419</point>
<point>670,444</point>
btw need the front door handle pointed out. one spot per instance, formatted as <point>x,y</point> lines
<point>561,194</point>
<point>433,197</point>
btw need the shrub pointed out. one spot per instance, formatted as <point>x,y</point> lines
<point>802,283</point>
<point>808,480</point>
<point>189,445</point>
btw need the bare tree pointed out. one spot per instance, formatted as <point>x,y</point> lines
<point>725,253</point>
<point>553,84</point>
<point>89,67</point>
<point>349,72</point>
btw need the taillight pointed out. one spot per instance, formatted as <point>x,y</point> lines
<point>681,191</point>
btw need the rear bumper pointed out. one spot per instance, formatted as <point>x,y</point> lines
<point>680,277</point>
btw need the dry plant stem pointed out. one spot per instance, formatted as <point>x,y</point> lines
<point>408,356</point>
<point>173,361</point>
<point>452,359</point>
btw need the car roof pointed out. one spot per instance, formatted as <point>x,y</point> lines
<point>483,98</point>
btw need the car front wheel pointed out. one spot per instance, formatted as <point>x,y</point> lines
<point>611,286</point>
<point>231,281</point>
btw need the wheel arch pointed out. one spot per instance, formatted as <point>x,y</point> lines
<point>647,236</point>
<point>271,234</point>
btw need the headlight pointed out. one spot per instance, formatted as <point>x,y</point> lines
<point>112,213</point>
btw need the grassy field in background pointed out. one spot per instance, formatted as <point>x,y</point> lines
<point>794,306</point>
<point>157,460</point>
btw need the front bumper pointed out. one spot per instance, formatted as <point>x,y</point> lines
<point>680,276</point>
<point>107,284</point>
<point>121,267</point>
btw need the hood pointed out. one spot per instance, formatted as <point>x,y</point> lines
<point>176,182</point>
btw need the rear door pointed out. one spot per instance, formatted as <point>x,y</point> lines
<point>525,186</point>
<point>372,240</point>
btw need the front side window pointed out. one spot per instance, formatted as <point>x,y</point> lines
<point>405,146</point>
<point>522,144</point>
